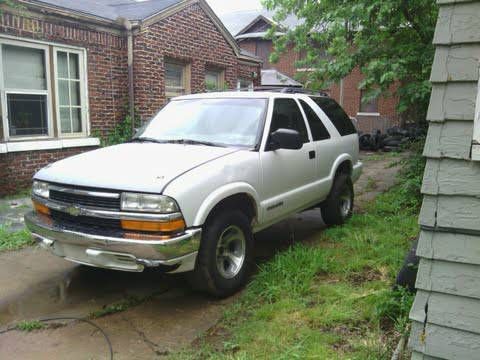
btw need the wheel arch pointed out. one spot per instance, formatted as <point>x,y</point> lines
<point>343,164</point>
<point>237,195</point>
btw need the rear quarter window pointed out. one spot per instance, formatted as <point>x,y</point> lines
<point>336,114</point>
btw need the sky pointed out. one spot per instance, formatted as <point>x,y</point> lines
<point>226,6</point>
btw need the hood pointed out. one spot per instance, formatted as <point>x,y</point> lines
<point>143,167</point>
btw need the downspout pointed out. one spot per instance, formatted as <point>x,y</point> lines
<point>341,92</point>
<point>131,99</point>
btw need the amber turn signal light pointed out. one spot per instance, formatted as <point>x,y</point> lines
<point>170,226</point>
<point>40,208</point>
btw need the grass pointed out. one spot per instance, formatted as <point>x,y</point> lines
<point>119,306</point>
<point>330,299</point>
<point>30,325</point>
<point>14,240</point>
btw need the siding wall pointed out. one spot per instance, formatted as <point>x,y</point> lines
<point>446,312</point>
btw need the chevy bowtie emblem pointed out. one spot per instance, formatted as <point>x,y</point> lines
<point>74,210</point>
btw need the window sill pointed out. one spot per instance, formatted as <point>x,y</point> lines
<point>18,146</point>
<point>368,114</point>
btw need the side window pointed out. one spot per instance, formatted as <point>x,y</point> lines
<point>319,131</point>
<point>336,114</point>
<point>287,115</point>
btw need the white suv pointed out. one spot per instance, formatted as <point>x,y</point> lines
<point>194,185</point>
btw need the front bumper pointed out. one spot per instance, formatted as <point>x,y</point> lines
<point>119,250</point>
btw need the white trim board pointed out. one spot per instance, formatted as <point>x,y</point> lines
<point>368,114</point>
<point>19,146</point>
<point>476,127</point>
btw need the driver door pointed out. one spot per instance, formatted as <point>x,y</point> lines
<point>288,175</point>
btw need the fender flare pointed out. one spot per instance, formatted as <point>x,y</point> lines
<point>222,193</point>
<point>342,158</point>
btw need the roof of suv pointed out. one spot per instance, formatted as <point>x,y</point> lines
<point>244,94</point>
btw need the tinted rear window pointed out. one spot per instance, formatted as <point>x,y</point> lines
<point>336,114</point>
<point>319,132</point>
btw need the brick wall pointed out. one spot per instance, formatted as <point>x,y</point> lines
<point>107,83</point>
<point>352,99</point>
<point>245,71</point>
<point>106,59</point>
<point>188,36</point>
<point>16,169</point>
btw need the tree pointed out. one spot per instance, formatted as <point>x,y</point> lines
<point>389,40</point>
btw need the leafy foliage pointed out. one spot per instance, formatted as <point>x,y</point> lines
<point>389,40</point>
<point>412,176</point>
<point>122,132</point>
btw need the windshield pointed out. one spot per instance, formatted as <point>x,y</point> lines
<point>227,122</point>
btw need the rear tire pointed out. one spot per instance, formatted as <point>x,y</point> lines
<point>338,207</point>
<point>225,257</point>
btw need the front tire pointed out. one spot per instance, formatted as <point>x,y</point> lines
<point>338,207</point>
<point>225,257</point>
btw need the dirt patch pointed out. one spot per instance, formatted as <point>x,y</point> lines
<point>365,275</point>
<point>378,176</point>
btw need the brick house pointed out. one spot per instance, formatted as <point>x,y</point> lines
<point>250,28</point>
<point>65,71</point>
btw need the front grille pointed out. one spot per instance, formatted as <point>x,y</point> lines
<point>85,200</point>
<point>69,220</point>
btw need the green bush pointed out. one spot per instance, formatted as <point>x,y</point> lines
<point>122,132</point>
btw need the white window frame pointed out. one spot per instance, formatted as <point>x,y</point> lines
<point>35,142</point>
<point>239,83</point>
<point>4,92</point>
<point>83,91</point>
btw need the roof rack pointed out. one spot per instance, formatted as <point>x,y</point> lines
<point>290,90</point>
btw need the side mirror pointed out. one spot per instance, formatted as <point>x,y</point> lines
<point>285,139</point>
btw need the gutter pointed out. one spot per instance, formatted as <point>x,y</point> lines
<point>131,93</point>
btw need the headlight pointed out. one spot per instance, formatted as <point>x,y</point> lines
<point>148,203</point>
<point>40,188</point>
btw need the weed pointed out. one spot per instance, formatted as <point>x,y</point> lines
<point>14,240</point>
<point>122,132</point>
<point>371,184</point>
<point>119,306</point>
<point>30,325</point>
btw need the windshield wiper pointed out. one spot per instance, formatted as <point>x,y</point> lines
<point>148,139</point>
<point>194,142</point>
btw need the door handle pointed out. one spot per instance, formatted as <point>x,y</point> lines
<point>311,154</point>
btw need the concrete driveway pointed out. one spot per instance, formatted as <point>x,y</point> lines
<point>167,314</point>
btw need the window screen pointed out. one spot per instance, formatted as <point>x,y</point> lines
<point>27,114</point>
<point>24,68</point>
<point>287,115</point>
<point>336,115</point>
<point>319,132</point>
